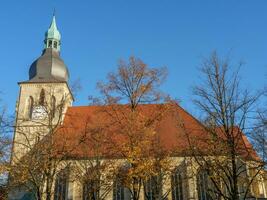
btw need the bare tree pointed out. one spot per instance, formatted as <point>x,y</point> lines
<point>5,147</point>
<point>259,136</point>
<point>223,151</point>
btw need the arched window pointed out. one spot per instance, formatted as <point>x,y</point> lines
<point>29,107</point>
<point>42,98</point>
<point>153,188</point>
<point>62,185</point>
<point>55,44</point>
<point>203,185</point>
<point>49,43</point>
<point>177,185</point>
<point>53,106</point>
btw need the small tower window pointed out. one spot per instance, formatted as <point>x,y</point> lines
<point>42,98</point>
<point>30,108</point>
<point>53,106</point>
<point>49,43</point>
<point>55,45</point>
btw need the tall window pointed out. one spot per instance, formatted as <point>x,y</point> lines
<point>30,107</point>
<point>90,190</point>
<point>203,185</point>
<point>119,191</point>
<point>42,98</point>
<point>177,185</point>
<point>61,186</point>
<point>53,106</point>
<point>153,188</point>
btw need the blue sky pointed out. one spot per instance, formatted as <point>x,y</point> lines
<point>172,33</point>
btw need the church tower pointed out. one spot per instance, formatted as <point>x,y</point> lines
<point>44,97</point>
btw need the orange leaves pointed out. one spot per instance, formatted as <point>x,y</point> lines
<point>133,82</point>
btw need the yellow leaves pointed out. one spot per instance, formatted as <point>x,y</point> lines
<point>4,168</point>
<point>141,169</point>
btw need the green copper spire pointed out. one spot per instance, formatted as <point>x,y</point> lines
<point>52,36</point>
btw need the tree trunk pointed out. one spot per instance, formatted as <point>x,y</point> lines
<point>235,193</point>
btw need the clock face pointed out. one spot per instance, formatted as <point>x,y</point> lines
<point>39,112</point>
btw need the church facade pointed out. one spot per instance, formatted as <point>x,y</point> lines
<point>45,104</point>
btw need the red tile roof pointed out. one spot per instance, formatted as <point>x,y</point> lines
<point>175,129</point>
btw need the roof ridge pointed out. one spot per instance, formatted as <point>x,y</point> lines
<point>120,104</point>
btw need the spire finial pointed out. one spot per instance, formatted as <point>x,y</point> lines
<point>52,36</point>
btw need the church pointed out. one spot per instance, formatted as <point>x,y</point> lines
<point>52,152</point>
